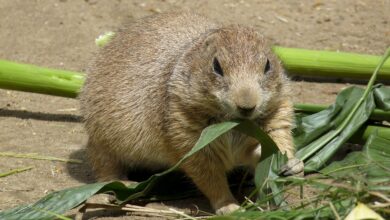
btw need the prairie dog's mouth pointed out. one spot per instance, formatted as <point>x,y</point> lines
<point>251,116</point>
<point>229,112</point>
<point>232,116</point>
<point>229,109</point>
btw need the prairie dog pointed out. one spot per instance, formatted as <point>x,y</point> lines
<point>162,79</point>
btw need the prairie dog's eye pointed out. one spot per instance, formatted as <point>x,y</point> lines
<point>267,67</point>
<point>217,67</point>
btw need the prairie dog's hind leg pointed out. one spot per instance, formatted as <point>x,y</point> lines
<point>208,172</point>
<point>104,164</point>
<point>211,179</point>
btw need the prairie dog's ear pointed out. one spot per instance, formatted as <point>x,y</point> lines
<point>210,38</point>
<point>214,44</point>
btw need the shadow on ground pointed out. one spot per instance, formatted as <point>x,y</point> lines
<point>23,114</point>
<point>80,171</point>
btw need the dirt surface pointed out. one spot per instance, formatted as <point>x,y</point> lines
<point>60,34</point>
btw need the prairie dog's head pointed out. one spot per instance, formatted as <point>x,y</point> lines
<point>236,73</point>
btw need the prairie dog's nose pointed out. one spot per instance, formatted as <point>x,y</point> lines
<point>246,101</point>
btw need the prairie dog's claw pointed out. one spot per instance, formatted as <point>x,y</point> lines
<point>293,166</point>
<point>227,209</point>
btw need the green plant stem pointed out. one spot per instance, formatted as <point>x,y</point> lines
<point>38,157</point>
<point>377,114</point>
<point>30,78</point>
<point>362,134</point>
<point>14,171</point>
<point>316,63</point>
<point>366,91</point>
<point>328,64</point>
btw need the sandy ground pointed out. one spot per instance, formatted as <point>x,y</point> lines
<point>60,34</point>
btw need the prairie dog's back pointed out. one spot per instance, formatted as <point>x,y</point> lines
<point>126,84</point>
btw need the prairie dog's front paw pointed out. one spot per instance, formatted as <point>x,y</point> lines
<point>293,166</point>
<point>227,209</point>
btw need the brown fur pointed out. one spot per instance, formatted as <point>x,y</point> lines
<point>152,89</point>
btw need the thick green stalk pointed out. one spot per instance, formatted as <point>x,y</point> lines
<point>364,133</point>
<point>316,63</point>
<point>328,64</point>
<point>31,78</point>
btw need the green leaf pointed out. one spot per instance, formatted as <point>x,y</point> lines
<point>313,131</point>
<point>312,127</point>
<point>61,201</point>
<point>268,148</point>
<point>265,174</point>
<point>382,98</point>
<point>209,134</point>
<point>373,162</point>
<point>332,132</point>
<point>269,164</point>
<point>361,136</point>
<point>305,108</point>
<point>57,202</point>
<point>359,117</point>
<point>277,215</point>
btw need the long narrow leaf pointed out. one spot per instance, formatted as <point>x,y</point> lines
<point>61,201</point>
<point>376,115</point>
<point>312,127</point>
<point>371,163</point>
<point>359,118</point>
<point>271,160</point>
